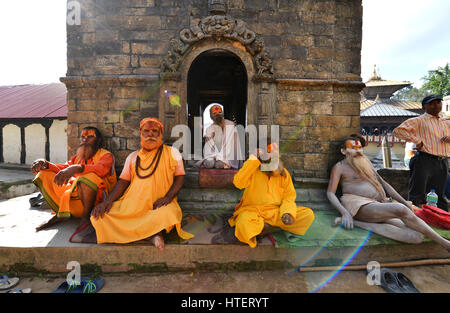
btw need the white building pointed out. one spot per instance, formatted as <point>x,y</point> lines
<point>33,123</point>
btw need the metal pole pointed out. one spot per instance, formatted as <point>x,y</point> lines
<point>387,159</point>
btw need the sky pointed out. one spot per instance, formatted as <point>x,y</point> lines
<point>403,38</point>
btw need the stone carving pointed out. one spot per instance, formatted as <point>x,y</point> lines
<point>218,27</point>
<point>217,7</point>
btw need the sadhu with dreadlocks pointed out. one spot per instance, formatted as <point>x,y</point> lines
<point>268,203</point>
<point>72,189</point>
<point>144,201</point>
<point>364,201</point>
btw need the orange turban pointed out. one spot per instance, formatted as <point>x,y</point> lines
<point>152,120</point>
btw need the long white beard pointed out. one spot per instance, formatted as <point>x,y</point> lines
<point>365,169</point>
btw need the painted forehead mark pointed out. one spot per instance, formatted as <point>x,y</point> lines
<point>88,132</point>
<point>353,144</point>
<point>150,126</point>
<point>216,109</point>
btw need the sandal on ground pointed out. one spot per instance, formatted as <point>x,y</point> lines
<point>86,286</point>
<point>389,281</point>
<point>6,282</point>
<point>405,283</point>
<point>38,200</point>
<point>18,290</point>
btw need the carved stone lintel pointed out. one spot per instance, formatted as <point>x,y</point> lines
<point>218,27</point>
<point>217,7</point>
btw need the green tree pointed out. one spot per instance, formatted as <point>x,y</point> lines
<point>410,93</point>
<point>438,81</point>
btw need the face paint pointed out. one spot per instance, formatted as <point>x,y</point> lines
<point>216,109</point>
<point>151,136</point>
<point>353,144</point>
<point>86,133</point>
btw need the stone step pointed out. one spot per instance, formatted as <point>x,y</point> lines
<point>206,200</point>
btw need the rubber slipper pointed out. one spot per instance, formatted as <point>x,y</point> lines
<point>405,283</point>
<point>35,201</point>
<point>80,229</point>
<point>389,281</point>
<point>92,286</point>
<point>18,290</point>
<point>6,282</point>
<point>86,286</point>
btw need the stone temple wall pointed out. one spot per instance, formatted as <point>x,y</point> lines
<point>303,69</point>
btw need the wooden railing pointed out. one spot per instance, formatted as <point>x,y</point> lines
<point>390,138</point>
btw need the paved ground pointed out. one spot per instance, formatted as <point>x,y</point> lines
<point>9,175</point>
<point>428,279</point>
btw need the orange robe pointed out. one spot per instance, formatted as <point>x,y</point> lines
<point>132,217</point>
<point>99,174</point>
<point>265,200</point>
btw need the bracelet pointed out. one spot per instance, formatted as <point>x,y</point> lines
<point>82,168</point>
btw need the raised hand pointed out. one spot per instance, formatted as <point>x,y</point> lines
<point>39,164</point>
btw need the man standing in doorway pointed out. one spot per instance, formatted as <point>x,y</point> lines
<point>429,168</point>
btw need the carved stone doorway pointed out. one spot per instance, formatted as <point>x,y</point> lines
<point>218,76</point>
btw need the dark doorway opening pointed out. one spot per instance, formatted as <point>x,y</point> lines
<point>217,76</point>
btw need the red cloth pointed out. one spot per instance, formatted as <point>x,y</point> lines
<point>434,216</point>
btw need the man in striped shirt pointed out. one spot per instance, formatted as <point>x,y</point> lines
<point>429,167</point>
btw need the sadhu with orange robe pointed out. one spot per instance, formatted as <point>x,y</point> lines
<point>73,188</point>
<point>268,201</point>
<point>144,201</point>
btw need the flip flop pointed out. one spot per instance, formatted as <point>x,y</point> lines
<point>92,286</point>
<point>66,288</point>
<point>405,283</point>
<point>35,201</point>
<point>18,290</point>
<point>79,230</point>
<point>389,281</point>
<point>86,286</point>
<point>6,282</point>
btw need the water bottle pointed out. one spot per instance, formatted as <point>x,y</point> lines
<point>432,198</point>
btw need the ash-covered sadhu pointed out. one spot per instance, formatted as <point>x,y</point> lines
<point>73,188</point>
<point>144,201</point>
<point>268,199</point>
<point>364,201</point>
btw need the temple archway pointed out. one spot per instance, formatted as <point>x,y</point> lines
<point>217,75</point>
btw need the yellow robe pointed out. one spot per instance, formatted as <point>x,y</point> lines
<point>132,217</point>
<point>265,200</point>
<point>64,200</point>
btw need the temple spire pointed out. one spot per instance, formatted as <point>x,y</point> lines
<point>375,75</point>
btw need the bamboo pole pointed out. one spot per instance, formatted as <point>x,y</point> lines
<point>363,267</point>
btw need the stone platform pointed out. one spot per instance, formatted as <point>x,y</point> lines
<point>24,250</point>
<point>15,181</point>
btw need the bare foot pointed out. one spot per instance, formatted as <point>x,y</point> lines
<point>158,241</point>
<point>54,220</point>
<point>83,221</point>
<point>87,235</point>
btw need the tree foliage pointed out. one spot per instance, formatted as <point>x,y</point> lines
<point>435,82</point>
<point>438,81</point>
<point>410,93</point>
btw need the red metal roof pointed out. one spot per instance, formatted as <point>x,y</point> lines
<point>33,101</point>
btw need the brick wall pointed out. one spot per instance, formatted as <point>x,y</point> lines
<point>115,54</point>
